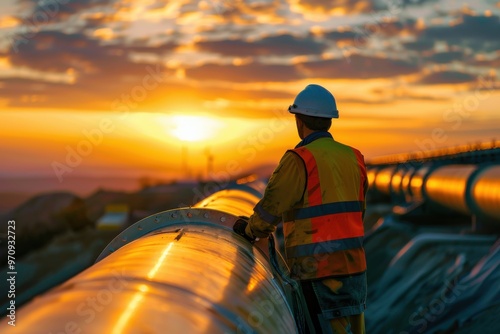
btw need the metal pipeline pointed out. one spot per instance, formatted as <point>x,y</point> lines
<point>178,271</point>
<point>371,173</point>
<point>416,186</point>
<point>485,192</point>
<point>383,179</point>
<point>406,183</point>
<point>397,188</point>
<point>468,189</point>
<point>447,186</point>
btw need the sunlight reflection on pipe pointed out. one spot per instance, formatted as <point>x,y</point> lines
<point>139,295</point>
<point>125,317</point>
<point>160,261</point>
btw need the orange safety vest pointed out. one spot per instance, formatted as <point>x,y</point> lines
<point>324,234</point>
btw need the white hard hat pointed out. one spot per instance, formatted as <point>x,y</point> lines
<point>315,101</point>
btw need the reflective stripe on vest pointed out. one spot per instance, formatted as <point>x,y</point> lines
<point>326,239</point>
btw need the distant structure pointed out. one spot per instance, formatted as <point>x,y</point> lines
<point>210,162</point>
<point>185,161</point>
<point>115,218</point>
<point>470,153</point>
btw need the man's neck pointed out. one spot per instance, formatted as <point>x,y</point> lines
<point>307,132</point>
<point>312,137</point>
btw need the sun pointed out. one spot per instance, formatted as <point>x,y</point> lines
<point>194,128</point>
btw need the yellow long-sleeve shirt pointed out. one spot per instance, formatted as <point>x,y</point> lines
<point>284,191</point>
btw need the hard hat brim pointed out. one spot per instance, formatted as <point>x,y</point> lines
<point>320,115</point>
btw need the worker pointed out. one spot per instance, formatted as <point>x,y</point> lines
<point>318,191</point>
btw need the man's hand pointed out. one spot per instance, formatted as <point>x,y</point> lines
<point>239,227</point>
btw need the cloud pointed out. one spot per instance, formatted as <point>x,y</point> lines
<point>477,32</point>
<point>342,35</point>
<point>95,20</point>
<point>390,27</point>
<point>241,12</point>
<point>284,44</point>
<point>8,21</point>
<point>30,93</point>
<point>419,45</point>
<point>169,97</point>
<point>55,51</point>
<point>253,72</point>
<point>358,67</point>
<point>336,6</point>
<point>99,72</point>
<point>481,61</point>
<point>360,35</point>
<point>104,73</point>
<point>446,77</point>
<point>470,26</point>
<point>355,6</point>
<point>446,57</point>
<point>402,92</point>
<point>58,10</point>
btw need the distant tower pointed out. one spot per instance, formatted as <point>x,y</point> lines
<point>210,162</point>
<point>184,161</point>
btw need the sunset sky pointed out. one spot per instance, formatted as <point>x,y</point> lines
<point>133,88</point>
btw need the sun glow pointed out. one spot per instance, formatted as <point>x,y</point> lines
<point>194,128</point>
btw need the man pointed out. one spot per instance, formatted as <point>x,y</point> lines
<point>318,191</point>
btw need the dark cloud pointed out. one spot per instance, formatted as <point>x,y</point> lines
<point>358,67</point>
<point>446,57</point>
<point>476,32</point>
<point>273,45</point>
<point>254,72</point>
<point>446,77</point>
<point>394,27</point>
<point>229,29</point>
<point>342,35</point>
<point>347,39</point>
<point>59,10</point>
<point>477,27</point>
<point>242,12</point>
<point>420,45</point>
<point>358,6</point>
<point>55,51</point>
<point>146,48</point>
<point>493,63</point>
<point>359,35</point>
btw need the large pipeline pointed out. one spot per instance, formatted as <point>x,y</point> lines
<point>467,189</point>
<point>179,271</point>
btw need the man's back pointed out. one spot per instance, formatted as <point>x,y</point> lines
<point>342,168</point>
<point>323,232</point>
<point>318,191</point>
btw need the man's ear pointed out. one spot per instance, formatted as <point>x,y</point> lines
<point>300,126</point>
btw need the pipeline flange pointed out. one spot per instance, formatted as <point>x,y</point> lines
<point>169,218</point>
